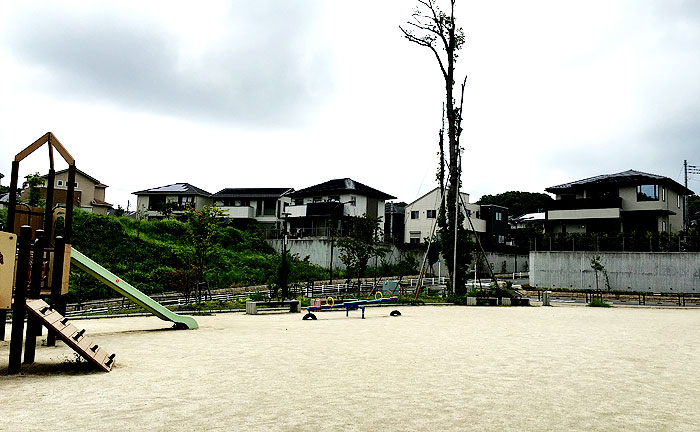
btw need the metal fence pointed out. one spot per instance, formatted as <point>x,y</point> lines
<point>615,242</point>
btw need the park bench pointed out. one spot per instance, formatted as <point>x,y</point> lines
<point>251,307</point>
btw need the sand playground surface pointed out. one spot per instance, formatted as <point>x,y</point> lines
<point>433,368</point>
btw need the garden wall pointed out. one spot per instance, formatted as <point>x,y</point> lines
<point>666,272</point>
<point>319,252</point>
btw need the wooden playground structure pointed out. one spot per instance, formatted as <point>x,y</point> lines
<point>35,264</point>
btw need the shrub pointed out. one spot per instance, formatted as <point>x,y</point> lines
<point>596,302</point>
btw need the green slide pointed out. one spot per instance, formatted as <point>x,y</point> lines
<point>122,287</point>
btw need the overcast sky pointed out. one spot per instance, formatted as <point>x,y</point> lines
<point>291,93</point>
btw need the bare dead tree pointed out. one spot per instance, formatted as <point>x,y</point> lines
<point>436,30</point>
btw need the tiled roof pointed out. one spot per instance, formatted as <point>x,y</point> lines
<point>98,202</point>
<point>175,188</point>
<point>97,182</point>
<point>339,186</point>
<point>629,177</point>
<point>253,192</point>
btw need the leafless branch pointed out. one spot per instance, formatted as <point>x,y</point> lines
<point>425,43</point>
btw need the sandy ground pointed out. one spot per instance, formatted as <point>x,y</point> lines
<point>434,368</point>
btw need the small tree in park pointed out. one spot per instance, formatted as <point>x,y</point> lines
<point>34,182</point>
<point>363,243</point>
<point>202,228</point>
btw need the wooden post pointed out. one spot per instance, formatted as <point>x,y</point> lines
<point>13,197</point>
<point>68,230</point>
<point>57,280</point>
<point>48,214</point>
<point>33,324</point>
<point>25,239</point>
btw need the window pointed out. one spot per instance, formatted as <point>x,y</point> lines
<point>156,202</point>
<point>269,207</point>
<point>499,216</point>
<point>663,194</point>
<point>353,201</point>
<point>59,183</point>
<point>663,226</point>
<point>431,214</point>
<point>501,239</point>
<point>679,201</point>
<point>414,241</point>
<point>647,193</point>
<point>414,214</point>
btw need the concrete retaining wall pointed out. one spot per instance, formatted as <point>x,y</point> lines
<point>667,272</point>
<point>319,252</point>
<point>513,263</point>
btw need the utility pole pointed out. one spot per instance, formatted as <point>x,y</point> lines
<point>457,210</point>
<point>693,170</point>
<point>283,279</point>
<point>685,197</point>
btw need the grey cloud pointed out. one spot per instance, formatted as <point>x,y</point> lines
<point>266,71</point>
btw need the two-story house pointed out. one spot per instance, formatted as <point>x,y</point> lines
<point>394,218</point>
<point>421,216</point>
<point>89,193</point>
<point>497,226</point>
<point>623,202</point>
<point>325,208</point>
<point>488,222</point>
<point>264,205</point>
<point>175,198</point>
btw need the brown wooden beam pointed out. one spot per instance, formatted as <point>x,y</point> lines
<point>33,146</point>
<point>53,142</point>
<point>62,150</point>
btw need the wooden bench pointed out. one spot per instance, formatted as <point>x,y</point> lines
<point>251,307</point>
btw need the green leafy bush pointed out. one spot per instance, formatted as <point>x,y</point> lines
<point>596,302</point>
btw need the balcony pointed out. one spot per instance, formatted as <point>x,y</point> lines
<point>296,210</point>
<point>586,204</point>
<point>241,212</point>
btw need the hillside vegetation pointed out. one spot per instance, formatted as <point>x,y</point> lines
<point>155,256</point>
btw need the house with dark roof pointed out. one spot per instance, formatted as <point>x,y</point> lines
<point>623,202</point>
<point>264,205</point>
<point>317,210</point>
<point>89,192</point>
<point>175,197</point>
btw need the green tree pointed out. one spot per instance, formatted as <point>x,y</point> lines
<point>597,266</point>
<point>202,228</point>
<point>518,203</point>
<point>167,208</point>
<point>34,182</point>
<point>693,208</point>
<point>436,30</point>
<point>360,245</point>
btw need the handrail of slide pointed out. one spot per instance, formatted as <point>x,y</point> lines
<point>124,288</point>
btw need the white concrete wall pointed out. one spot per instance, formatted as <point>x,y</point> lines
<point>668,272</point>
<point>319,252</point>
